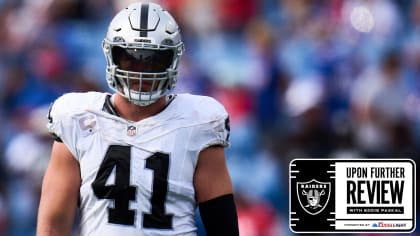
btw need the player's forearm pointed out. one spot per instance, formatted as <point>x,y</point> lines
<point>48,228</point>
<point>54,220</point>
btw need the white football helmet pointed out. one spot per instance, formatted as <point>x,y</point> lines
<point>142,49</point>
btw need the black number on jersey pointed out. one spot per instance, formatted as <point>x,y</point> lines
<point>120,192</point>
<point>119,157</point>
<point>159,163</point>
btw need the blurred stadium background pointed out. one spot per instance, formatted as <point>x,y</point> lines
<point>297,79</point>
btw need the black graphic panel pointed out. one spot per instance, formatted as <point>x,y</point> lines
<point>312,195</point>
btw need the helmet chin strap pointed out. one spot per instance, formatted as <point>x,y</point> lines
<point>168,98</point>
<point>142,104</point>
<point>124,91</point>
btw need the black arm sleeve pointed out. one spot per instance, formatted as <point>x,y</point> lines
<point>219,216</point>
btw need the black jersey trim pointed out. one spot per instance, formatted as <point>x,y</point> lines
<point>109,107</point>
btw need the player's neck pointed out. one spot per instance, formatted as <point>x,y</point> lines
<point>133,112</point>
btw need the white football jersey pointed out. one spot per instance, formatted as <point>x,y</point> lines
<point>137,177</point>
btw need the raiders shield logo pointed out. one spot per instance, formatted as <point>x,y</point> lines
<point>313,195</point>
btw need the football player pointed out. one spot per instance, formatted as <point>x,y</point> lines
<point>138,161</point>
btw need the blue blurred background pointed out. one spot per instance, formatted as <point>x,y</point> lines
<point>297,79</point>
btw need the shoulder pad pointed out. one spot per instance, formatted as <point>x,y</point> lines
<point>72,103</point>
<point>203,109</point>
<point>211,120</point>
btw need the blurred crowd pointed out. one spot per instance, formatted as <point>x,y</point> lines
<point>297,79</point>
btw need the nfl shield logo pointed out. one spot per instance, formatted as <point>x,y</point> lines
<point>313,195</point>
<point>131,130</point>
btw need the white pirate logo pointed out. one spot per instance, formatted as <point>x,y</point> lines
<point>313,195</point>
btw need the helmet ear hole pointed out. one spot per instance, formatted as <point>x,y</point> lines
<point>117,83</point>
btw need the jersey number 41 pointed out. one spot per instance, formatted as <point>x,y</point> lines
<point>122,193</point>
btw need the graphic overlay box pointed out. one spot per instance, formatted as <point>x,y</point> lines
<point>352,195</point>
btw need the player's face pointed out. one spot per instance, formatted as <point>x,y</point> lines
<point>144,61</point>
